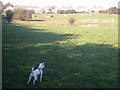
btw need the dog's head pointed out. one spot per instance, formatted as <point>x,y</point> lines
<point>42,65</point>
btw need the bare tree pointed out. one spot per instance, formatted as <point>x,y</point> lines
<point>71,21</point>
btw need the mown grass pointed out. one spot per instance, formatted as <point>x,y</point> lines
<point>75,57</point>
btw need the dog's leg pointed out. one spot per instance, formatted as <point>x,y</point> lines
<point>41,75</point>
<point>34,82</point>
<point>35,78</point>
<point>29,79</point>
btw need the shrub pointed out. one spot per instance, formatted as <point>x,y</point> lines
<point>70,11</point>
<point>66,12</point>
<point>9,15</point>
<point>22,14</point>
<point>60,11</point>
<point>71,21</point>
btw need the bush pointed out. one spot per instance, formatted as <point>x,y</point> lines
<point>71,21</point>
<point>66,12</point>
<point>60,11</point>
<point>9,15</point>
<point>70,11</point>
<point>22,14</point>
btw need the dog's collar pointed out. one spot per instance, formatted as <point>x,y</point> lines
<point>39,69</point>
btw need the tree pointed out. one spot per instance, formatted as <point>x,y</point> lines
<point>9,15</point>
<point>103,11</point>
<point>3,7</point>
<point>6,5</point>
<point>113,10</point>
<point>22,14</point>
<point>50,10</point>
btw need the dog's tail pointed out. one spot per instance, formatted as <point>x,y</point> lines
<point>32,69</point>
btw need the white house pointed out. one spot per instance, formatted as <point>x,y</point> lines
<point>55,10</point>
<point>65,8</point>
<point>47,9</point>
<point>36,9</point>
<point>97,8</point>
<point>81,9</point>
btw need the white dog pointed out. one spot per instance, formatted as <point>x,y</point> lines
<point>36,73</point>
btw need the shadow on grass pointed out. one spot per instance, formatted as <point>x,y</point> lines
<point>36,20</point>
<point>83,66</point>
<point>19,35</point>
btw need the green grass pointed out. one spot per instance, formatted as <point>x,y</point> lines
<point>78,16</point>
<point>75,56</point>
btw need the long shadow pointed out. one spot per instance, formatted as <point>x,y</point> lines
<point>18,33</point>
<point>36,20</point>
<point>83,66</point>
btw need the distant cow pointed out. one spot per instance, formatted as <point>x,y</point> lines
<point>49,16</point>
<point>91,14</point>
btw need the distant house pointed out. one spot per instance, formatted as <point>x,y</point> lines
<point>55,10</point>
<point>97,8</point>
<point>81,9</point>
<point>36,9</point>
<point>65,8</point>
<point>48,9</point>
<point>42,10</point>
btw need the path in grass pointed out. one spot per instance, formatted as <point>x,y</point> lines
<point>84,57</point>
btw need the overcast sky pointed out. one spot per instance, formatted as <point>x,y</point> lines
<point>59,3</point>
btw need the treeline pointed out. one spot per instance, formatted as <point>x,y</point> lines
<point>112,10</point>
<point>66,12</point>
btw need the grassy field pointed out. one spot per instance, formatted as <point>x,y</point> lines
<point>75,56</point>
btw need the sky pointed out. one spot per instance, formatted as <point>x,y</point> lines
<point>59,3</point>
